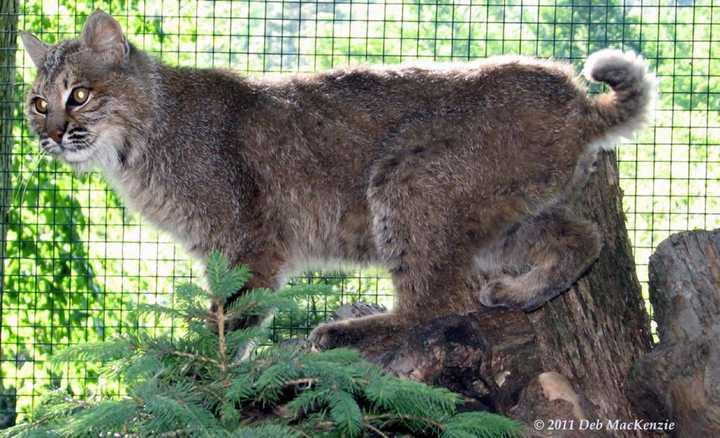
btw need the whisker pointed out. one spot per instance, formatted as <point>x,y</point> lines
<point>25,180</point>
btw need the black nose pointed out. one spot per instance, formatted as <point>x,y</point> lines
<point>57,133</point>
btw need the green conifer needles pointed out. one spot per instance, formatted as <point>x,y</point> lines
<point>211,382</point>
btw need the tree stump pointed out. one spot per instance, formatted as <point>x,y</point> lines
<point>680,379</point>
<point>565,361</point>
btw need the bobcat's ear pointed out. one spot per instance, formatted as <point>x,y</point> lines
<point>35,48</point>
<point>103,34</point>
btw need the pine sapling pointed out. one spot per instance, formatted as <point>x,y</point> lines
<point>212,382</point>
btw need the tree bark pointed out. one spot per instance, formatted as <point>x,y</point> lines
<point>680,379</point>
<point>565,361</point>
<point>8,50</point>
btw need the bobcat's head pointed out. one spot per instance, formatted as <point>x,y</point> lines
<point>87,96</point>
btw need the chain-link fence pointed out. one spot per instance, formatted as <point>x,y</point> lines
<point>76,259</point>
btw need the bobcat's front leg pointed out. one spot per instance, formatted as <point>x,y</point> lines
<point>264,267</point>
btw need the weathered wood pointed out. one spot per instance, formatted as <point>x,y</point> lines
<point>566,360</point>
<point>461,352</point>
<point>680,378</point>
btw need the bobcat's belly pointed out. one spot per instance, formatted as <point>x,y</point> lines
<point>335,237</point>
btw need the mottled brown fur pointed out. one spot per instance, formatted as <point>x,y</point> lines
<point>449,176</point>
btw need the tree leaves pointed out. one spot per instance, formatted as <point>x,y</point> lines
<point>346,413</point>
<point>481,425</point>
<point>209,383</point>
<point>265,431</point>
<point>223,280</point>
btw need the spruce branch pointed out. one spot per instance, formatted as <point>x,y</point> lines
<point>197,383</point>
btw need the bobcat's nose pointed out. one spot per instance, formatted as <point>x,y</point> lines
<point>57,132</point>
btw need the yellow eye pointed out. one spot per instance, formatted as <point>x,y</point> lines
<point>41,105</point>
<point>80,95</point>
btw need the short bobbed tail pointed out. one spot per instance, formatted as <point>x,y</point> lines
<point>627,108</point>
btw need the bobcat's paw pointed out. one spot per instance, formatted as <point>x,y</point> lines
<point>355,331</point>
<point>516,295</point>
<point>499,294</point>
<point>332,335</point>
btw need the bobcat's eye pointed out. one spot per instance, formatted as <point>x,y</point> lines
<point>79,96</point>
<point>41,105</point>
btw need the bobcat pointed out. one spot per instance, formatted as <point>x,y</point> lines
<point>452,176</point>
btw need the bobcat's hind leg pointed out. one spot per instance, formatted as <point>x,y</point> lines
<point>541,258</point>
<point>427,228</point>
<point>422,248</point>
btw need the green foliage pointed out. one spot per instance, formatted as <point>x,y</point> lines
<point>76,260</point>
<point>479,425</point>
<point>206,383</point>
<point>223,281</point>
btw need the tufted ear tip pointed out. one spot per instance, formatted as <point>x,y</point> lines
<point>35,48</point>
<point>98,14</point>
<point>103,34</point>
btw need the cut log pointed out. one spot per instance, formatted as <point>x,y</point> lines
<point>680,379</point>
<point>565,361</point>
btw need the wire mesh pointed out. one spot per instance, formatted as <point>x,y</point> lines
<point>76,258</point>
